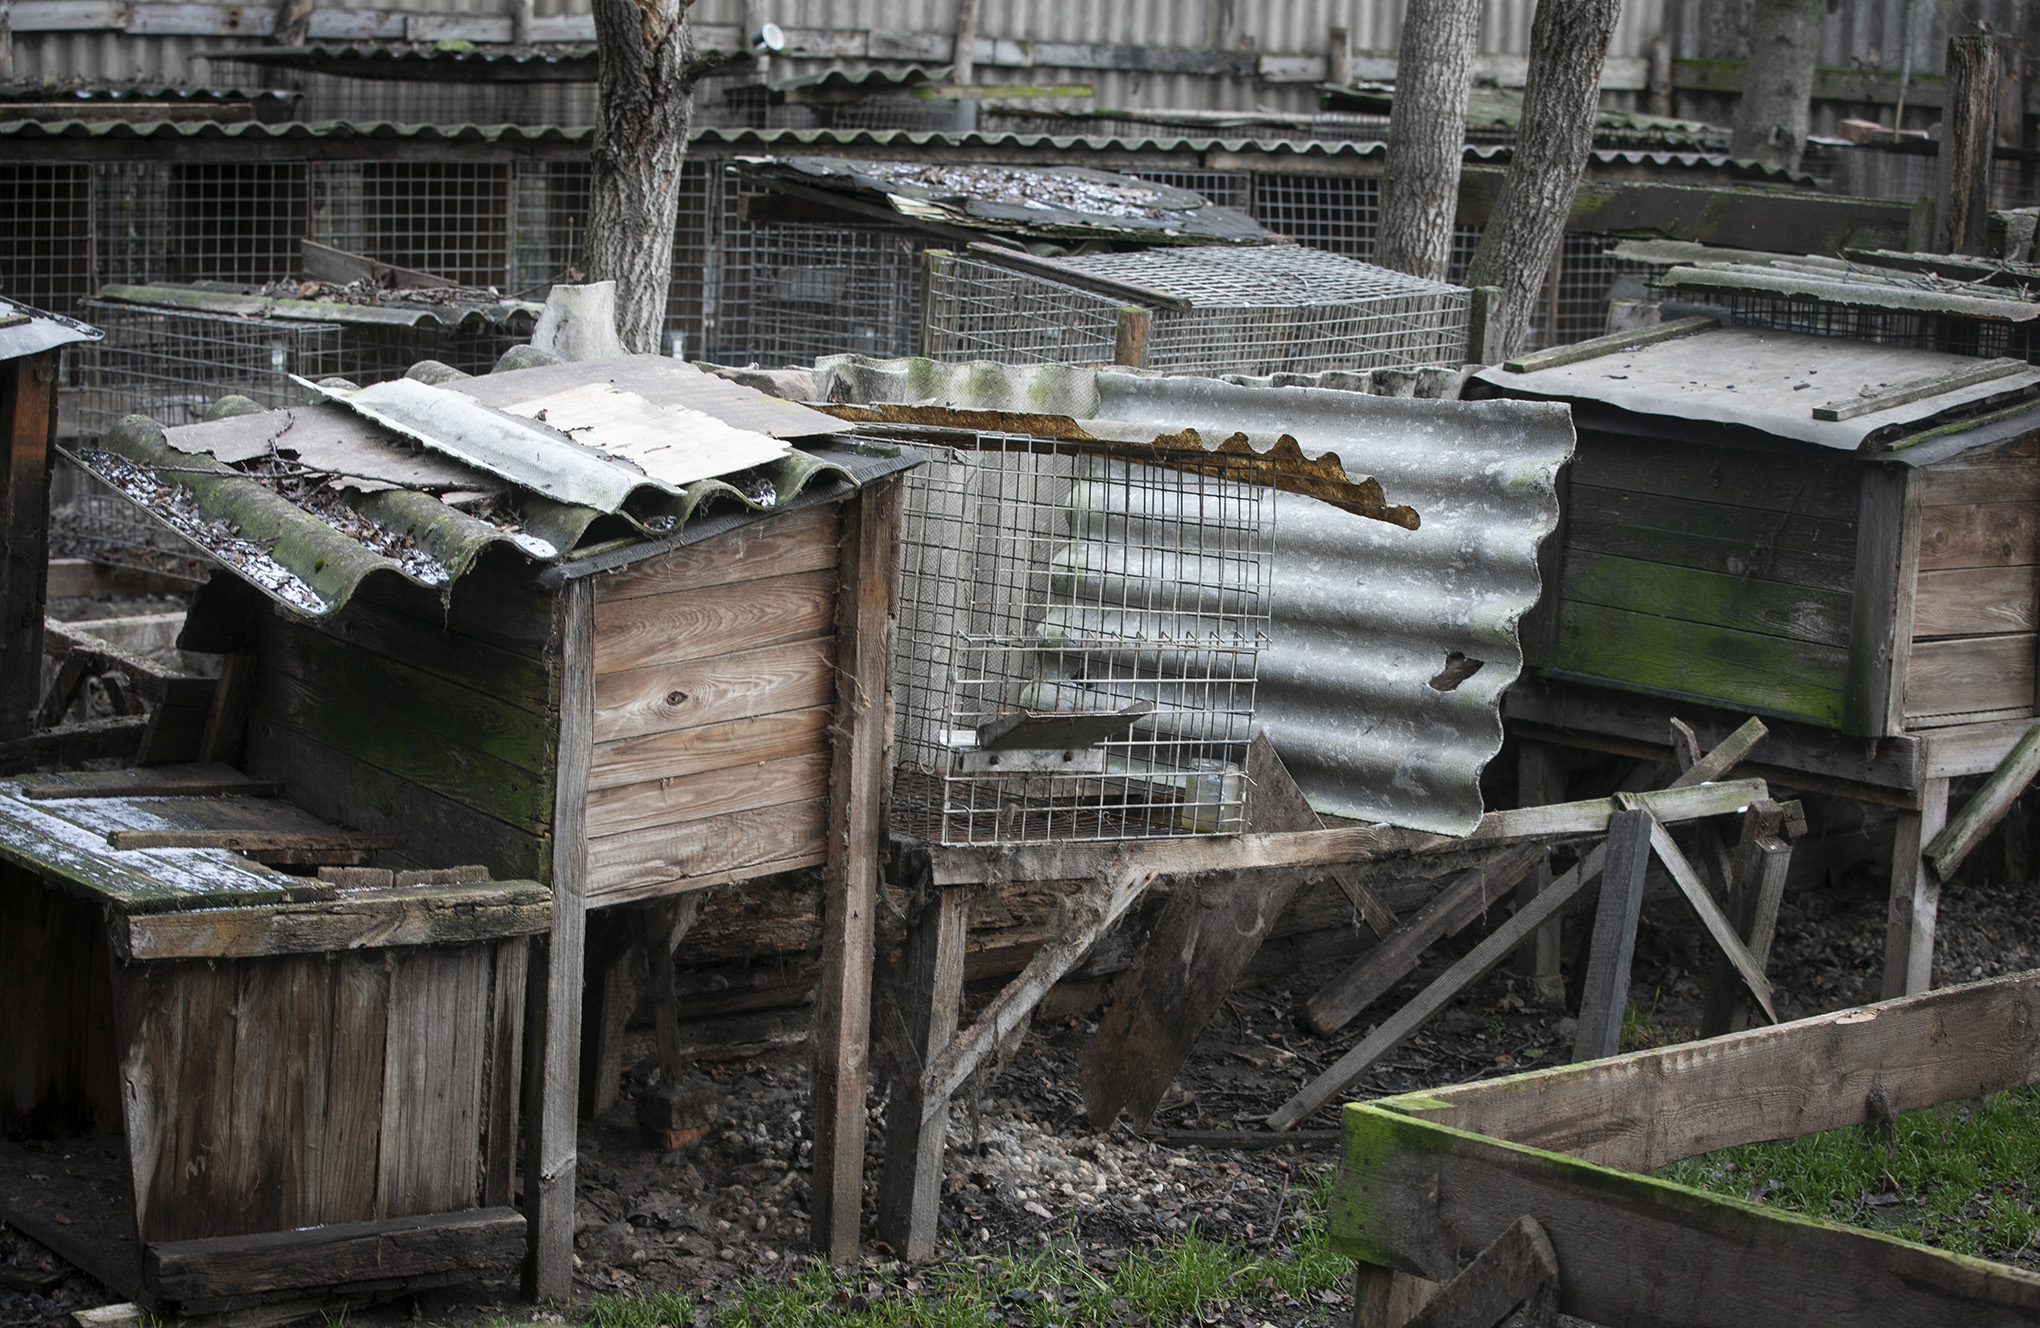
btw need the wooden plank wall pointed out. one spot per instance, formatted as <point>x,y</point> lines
<point>394,715</point>
<point>57,1060</point>
<point>714,681</point>
<point>1974,617</point>
<point>1716,572</point>
<point>297,1090</point>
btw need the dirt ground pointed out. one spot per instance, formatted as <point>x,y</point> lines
<point>1025,1167</point>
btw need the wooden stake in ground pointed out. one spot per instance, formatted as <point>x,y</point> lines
<point>645,75</point>
<point>1777,91</point>
<point>1568,40</point>
<point>1427,137</point>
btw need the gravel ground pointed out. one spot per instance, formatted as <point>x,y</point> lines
<point>1025,1168</point>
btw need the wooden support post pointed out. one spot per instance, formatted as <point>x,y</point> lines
<point>1539,782</point>
<point>1915,895</point>
<point>606,1008</point>
<point>930,993</point>
<point>666,922</point>
<point>1388,1297</point>
<point>1129,346</point>
<point>1756,887</point>
<point>555,1033</point>
<point>1945,852</point>
<point>1607,990</point>
<point>840,1042</point>
<point>1518,1267</point>
<point>30,422</point>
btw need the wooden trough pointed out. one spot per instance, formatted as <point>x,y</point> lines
<point>1433,1185</point>
<point>1839,537</point>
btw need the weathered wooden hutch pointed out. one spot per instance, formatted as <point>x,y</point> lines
<point>1841,537</point>
<point>619,628</point>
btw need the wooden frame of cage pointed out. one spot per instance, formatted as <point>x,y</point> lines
<point>1430,1179</point>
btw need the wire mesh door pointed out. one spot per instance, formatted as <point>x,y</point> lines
<point>1080,636</point>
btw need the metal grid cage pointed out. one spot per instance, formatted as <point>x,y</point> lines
<point>1948,333</point>
<point>172,364</point>
<point>1273,309</point>
<point>1080,635</point>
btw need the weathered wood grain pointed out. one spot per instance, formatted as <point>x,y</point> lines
<point>502,1086</point>
<point>929,994</point>
<point>1983,811</point>
<point>338,1255</point>
<point>1983,534</point>
<point>641,862</point>
<point>1746,553</point>
<point>803,541</point>
<point>1413,1195</point>
<point>799,675</point>
<point>684,752</point>
<point>1977,601</point>
<point>1881,616</point>
<point>1761,479</point>
<point>1649,1109</point>
<point>1915,894</point>
<point>518,676</point>
<point>1605,998</point>
<point>1764,673</point>
<point>1970,675</point>
<point>1713,598</point>
<point>715,620</point>
<point>161,781</point>
<point>1965,481</point>
<point>364,919</point>
<point>792,779</point>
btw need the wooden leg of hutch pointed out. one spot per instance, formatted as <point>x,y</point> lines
<point>931,992</point>
<point>1540,781</point>
<point>1915,896</point>
<point>840,1041</point>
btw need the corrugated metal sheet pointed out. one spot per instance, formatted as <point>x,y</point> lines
<point>1367,615</point>
<point>307,527</point>
<point>1772,382</point>
<point>26,331</point>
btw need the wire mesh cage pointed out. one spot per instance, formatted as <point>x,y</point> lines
<point>1080,635</point>
<point>1263,310</point>
<point>173,364</point>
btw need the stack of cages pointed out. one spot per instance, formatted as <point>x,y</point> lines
<point>173,364</point>
<point>1255,311</point>
<point>1080,634</point>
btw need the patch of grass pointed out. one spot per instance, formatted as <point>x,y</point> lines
<point>1054,1287</point>
<point>1961,1176</point>
<point>1640,1030</point>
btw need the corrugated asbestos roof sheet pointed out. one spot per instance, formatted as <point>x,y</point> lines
<point>1367,613</point>
<point>26,331</point>
<point>307,502</point>
<point>396,60</point>
<point>388,313</point>
<point>1781,384</point>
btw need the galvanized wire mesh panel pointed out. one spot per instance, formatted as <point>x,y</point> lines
<point>106,527</point>
<point>1273,309</point>
<point>171,365</point>
<point>46,235</point>
<point>1079,643</point>
<point>791,292</point>
<point>1886,327</point>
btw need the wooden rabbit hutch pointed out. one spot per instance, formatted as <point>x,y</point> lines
<point>1841,537</point>
<point>619,628</point>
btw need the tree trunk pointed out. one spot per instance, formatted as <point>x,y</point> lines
<point>1976,68</point>
<point>1568,40</point>
<point>1427,137</point>
<point>645,76</point>
<point>1771,118</point>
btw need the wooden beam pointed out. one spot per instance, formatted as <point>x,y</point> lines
<point>1987,808</point>
<point>407,915</point>
<point>1915,895</point>
<point>1757,873</point>
<point>929,997</point>
<point>1595,347</point>
<point>1712,918</point>
<point>204,780</point>
<point>1649,1109</point>
<point>1606,997</point>
<point>1413,1194</point>
<point>1518,1268</point>
<point>1540,780</point>
<point>255,841</point>
<point>342,1254</point>
<point>554,1018</point>
<point>1463,899</point>
<point>1322,848</point>
<point>29,418</point>
<point>857,821</point>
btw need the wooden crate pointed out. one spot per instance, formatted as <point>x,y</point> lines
<point>283,1083</point>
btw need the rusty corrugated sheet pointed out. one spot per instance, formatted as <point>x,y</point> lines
<point>1391,647</point>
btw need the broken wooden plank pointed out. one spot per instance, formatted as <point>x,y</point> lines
<point>1919,389</point>
<point>325,263</point>
<point>160,781</point>
<point>1756,889</point>
<point>1071,861</point>
<point>1465,898</point>
<point>1606,996</point>
<point>1413,1194</point>
<point>1517,1268</point>
<point>1206,934</point>
<point>255,841</point>
<point>1613,344</point>
<point>1976,819</point>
